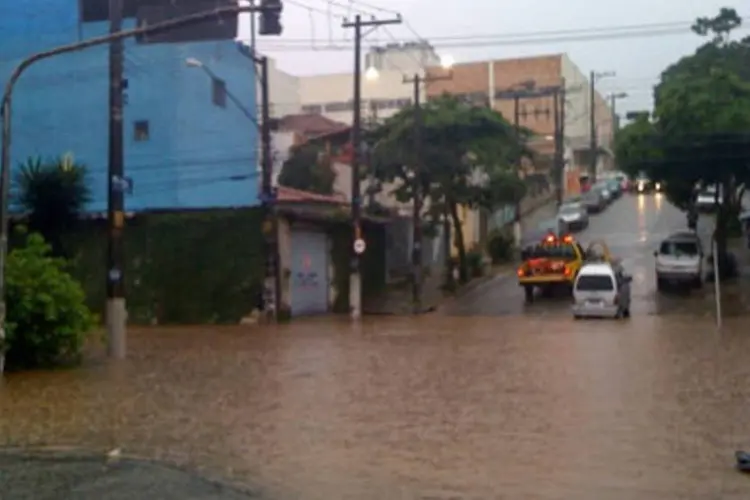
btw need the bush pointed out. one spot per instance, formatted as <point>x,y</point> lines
<point>500,246</point>
<point>47,319</point>
<point>475,263</point>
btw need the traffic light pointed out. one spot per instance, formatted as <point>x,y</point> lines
<point>270,17</point>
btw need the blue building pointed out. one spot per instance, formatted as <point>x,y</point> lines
<point>188,142</point>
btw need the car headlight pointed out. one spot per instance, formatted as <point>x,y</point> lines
<point>658,185</point>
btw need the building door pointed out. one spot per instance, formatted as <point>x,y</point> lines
<point>309,273</point>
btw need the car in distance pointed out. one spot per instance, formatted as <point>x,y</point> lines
<point>594,200</point>
<point>572,216</point>
<point>601,290</point>
<point>707,199</point>
<point>679,260</point>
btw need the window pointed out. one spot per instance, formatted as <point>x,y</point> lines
<point>312,109</point>
<point>333,107</point>
<point>595,283</point>
<point>219,92</point>
<point>679,248</point>
<point>140,130</point>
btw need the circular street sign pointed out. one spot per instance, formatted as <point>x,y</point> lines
<point>359,246</point>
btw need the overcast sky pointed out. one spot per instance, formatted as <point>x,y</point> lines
<point>310,26</point>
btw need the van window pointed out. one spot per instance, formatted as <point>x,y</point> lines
<point>595,283</point>
<point>679,248</point>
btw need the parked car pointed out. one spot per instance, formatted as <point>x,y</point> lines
<point>572,216</point>
<point>601,290</point>
<point>614,186</point>
<point>679,260</point>
<point>604,189</point>
<point>594,200</point>
<point>706,200</point>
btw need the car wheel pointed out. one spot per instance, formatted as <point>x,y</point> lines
<point>626,313</point>
<point>577,316</point>
<point>698,283</point>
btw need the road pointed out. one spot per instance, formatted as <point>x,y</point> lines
<point>524,405</point>
<point>632,227</point>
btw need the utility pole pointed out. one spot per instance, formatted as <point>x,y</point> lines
<point>416,251</point>
<point>355,282</point>
<point>558,148</point>
<point>563,98</point>
<point>593,147</point>
<point>272,282</point>
<point>613,104</point>
<point>517,128</point>
<point>116,312</point>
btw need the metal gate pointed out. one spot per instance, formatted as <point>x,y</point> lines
<point>309,278</point>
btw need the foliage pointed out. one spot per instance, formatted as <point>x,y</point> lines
<point>181,268</point>
<point>53,193</point>
<point>47,318</point>
<point>475,262</point>
<point>469,157</point>
<point>699,133</point>
<point>308,169</point>
<point>500,246</point>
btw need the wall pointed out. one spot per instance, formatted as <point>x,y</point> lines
<point>284,93</point>
<point>198,154</point>
<point>331,95</point>
<point>481,81</point>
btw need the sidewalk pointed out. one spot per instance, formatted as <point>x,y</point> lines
<point>78,476</point>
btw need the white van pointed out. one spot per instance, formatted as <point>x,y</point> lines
<point>601,290</point>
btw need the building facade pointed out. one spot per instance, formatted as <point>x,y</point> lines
<point>190,140</point>
<point>493,83</point>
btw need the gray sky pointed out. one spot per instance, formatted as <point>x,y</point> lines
<point>311,24</point>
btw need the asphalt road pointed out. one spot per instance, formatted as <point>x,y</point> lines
<point>632,227</point>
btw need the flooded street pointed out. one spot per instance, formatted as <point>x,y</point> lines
<point>494,402</point>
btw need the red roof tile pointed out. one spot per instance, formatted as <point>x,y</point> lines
<point>311,125</point>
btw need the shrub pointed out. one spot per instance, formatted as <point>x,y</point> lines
<point>475,263</point>
<point>47,319</point>
<point>500,246</point>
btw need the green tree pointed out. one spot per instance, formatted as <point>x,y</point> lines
<point>47,319</point>
<point>469,158</point>
<point>308,168</point>
<point>700,132</point>
<point>53,194</point>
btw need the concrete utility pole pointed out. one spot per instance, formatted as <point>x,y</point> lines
<point>355,282</point>
<point>559,115</point>
<point>116,312</point>
<point>6,112</point>
<point>613,104</point>
<point>594,146</point>
<point>416,252</point>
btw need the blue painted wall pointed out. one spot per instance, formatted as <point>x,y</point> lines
<point>199,155</point>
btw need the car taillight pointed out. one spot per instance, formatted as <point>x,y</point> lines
<point>568,271</point>
<point>521,272</point>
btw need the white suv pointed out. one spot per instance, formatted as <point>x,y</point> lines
<point>679,260</point>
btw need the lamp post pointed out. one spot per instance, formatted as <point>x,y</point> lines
<point>272,282</point>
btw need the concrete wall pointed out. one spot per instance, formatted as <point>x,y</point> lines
<point>197,154</point>
<point>331,95</point>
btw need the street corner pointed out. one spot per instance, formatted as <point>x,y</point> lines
<point>87,475</point>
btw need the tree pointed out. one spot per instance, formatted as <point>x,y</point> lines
<point>308,169</point>
<point>53,194</point>
<point>469,158</point>
<point>700,133</point>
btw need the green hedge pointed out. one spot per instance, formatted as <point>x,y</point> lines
<point>197,267</point>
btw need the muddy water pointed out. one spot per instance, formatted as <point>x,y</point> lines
<point>436,407</point>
